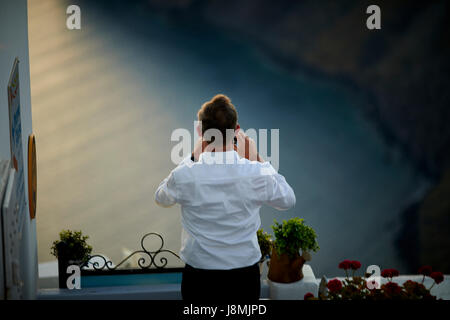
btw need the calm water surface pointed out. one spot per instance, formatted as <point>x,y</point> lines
<point>105,140</point>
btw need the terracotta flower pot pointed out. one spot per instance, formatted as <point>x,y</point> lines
<point>284,269</point>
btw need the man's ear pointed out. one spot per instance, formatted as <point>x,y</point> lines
<point>199,130</point>
<point>236,131</point>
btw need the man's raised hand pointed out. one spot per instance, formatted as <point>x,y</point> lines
<point>247,147</point>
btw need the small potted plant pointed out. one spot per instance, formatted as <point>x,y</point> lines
<point>291,237</point>
<point>265,245</point>
<point>70,249</point>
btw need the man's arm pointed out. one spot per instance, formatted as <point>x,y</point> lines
<point>166,194</point>
<point>279,193</point>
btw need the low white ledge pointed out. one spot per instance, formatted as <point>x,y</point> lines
<point>269,290</point>
<point>295,290</point>
<point>141,292</point>
<point>151,292</point>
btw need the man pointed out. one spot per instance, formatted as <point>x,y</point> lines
<point>221,188</point>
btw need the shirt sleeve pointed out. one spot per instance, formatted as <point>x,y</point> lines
<point>166,193</point>
<point>279,193</point>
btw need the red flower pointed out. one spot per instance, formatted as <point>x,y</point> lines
<point>389,273</point>
<point>425,270</point>
<point>346,264</point>
<point>386,273</point>
<point>334,285</point>
<point>355,265</point>
<point>392,288</point>
<point>438,277</point>
<point>308,295</point>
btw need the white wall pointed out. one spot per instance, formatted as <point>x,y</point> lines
<point>14,43</point>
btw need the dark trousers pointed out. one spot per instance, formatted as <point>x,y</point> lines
<point>243,284</point>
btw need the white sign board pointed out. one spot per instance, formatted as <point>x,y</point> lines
<point>15,133</point>
<point>12,239</point>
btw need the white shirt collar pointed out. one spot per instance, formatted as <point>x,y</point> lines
<point>222,157</point>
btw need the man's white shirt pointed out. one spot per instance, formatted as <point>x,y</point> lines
<point>220,197</point>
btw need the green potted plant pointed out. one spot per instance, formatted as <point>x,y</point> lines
<point>71,249</point>
<point>265,245</point>
<point>291,237</point>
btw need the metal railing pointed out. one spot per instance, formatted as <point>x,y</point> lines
<point>148,261</point>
